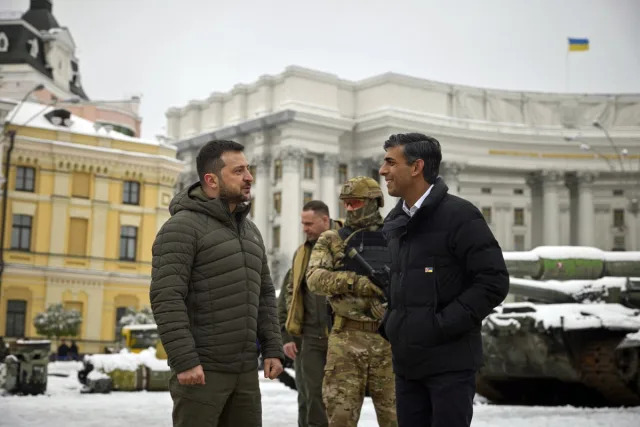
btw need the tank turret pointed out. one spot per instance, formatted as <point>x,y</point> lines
<point>568,334</point>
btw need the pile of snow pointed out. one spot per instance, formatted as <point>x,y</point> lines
<point>622,256</point>
<point>566,252</point>
<point>97,375</point>
<point>570,252</point>
<point>571,316</point>
<point>126,361</point>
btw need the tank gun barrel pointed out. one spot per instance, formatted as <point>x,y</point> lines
<point>571,263</point>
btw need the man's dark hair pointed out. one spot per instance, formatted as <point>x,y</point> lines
<point>418,146</point>
<point>209,157</point>
<point>317,206</point>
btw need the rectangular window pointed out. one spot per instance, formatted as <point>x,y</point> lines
<point>618,218</point>
<point>518,242</point>
<point>25,179</point>
<point>131,193</point>
<point>78,229</point>
<point>619,243</point>
<point>485,190</point>
<point>342,173</point>
<point>277,202</point>
<point>618,192</point>
<point>518,216</point>
<point>307,197</point>
<point>518,191</point>
<point>16,316</point>
<point>486,213</point>
<point>276,237</point>
<point>277,169</point>
<point>128,242</point>
<point>308,168</point>
<point>21,232</point>
<point>81,185</point>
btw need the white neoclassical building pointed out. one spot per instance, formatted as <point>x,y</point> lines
<point>535,164</point>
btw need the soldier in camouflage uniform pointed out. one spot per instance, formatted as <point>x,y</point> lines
<point>358,357</point>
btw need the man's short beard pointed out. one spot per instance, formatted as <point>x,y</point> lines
<point>229,196</point>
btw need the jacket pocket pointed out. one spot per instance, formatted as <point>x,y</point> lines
<point>422,328</point>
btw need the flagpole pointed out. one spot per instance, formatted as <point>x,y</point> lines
<point>566,71</point>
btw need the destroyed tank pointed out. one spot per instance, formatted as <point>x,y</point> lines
<point>568,331</point>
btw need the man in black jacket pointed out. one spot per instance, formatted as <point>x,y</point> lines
<point>447,274</point>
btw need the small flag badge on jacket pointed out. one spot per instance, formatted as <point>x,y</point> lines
<point>428,269</point>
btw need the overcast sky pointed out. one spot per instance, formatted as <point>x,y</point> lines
<point>172,51</point>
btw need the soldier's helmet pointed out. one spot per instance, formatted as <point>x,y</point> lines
<point>362,187</point>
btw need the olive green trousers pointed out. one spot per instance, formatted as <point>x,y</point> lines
<point>225,400</point>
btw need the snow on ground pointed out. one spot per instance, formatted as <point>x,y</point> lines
<point>64,406</point>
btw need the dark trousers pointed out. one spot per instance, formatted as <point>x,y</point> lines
<point>442,400</point>
<point>225,400</point>
<point>313,357</point>
<point>302,391</point>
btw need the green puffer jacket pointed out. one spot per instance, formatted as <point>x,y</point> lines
<point>211,290</point>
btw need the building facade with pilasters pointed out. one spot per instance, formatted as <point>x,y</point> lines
<point>533,163</point>
<point>83,209</point>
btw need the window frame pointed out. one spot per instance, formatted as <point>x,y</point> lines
<point>277,202</point>
<point>22,229</point>
<point>11,314</point>
<point>125,241</point>
<point>22,182</point>
<point>127,193</point>
<point>515,217</point>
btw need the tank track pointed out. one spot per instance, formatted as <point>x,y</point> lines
<point>596,361</point>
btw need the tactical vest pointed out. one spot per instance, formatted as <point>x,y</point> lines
<point>371,245</point>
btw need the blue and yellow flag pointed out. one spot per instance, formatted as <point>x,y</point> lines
<point>576,45</point>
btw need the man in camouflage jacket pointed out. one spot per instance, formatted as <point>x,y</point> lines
<point>358,357</point>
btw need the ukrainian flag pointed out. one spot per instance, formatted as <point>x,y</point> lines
<point>578,44</point>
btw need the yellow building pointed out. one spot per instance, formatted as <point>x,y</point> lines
<point>84,206</point>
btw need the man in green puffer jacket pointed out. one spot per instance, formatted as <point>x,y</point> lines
<point>212,296</point>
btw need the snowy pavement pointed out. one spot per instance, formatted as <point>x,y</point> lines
<point>63,405</point>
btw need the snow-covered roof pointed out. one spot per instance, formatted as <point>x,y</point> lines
<point>32,114</point>
<point>571,316</point>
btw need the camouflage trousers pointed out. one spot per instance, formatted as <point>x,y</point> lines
<point>357,361</point>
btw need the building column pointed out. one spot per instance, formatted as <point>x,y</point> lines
<point>503,225</point>
<point>551,181</point>
<point>290,229</point>
<point>586,210</point>
<point>450,173</point>
<point>328,182</point>
<point>262,194</point>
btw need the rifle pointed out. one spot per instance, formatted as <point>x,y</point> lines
<point>380,277</point>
